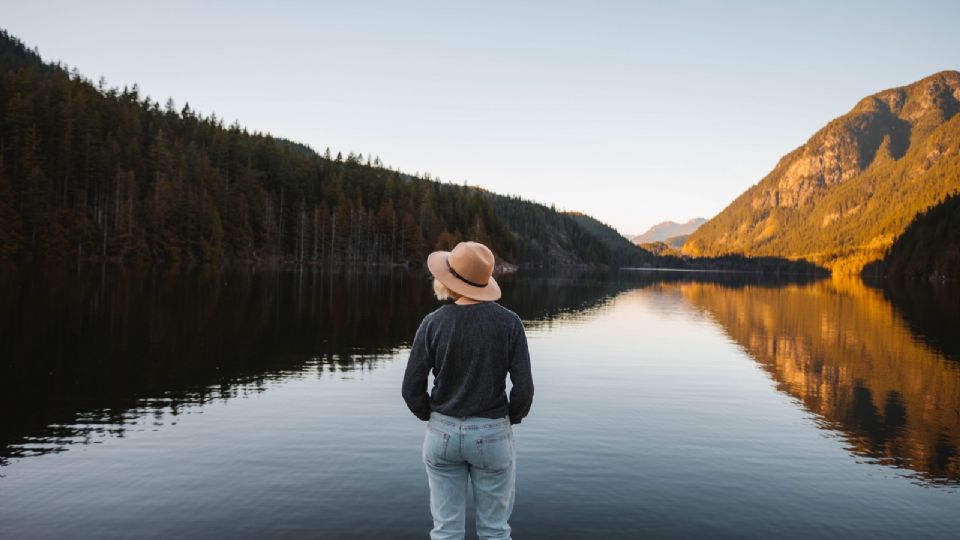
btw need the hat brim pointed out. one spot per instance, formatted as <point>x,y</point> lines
<point>437,264</point>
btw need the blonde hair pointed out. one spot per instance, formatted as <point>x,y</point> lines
<point>442,292</point>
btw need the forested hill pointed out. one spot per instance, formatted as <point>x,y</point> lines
<point>92,172</point>
<point>628,253</point>
<point>842,198</point>
<point>930,247</point>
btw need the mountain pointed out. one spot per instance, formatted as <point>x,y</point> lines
<point>668,229</point>
<point>676,242</point>
<point>842,198</point>
<point>89,172</point>
<point>669,247</point>
<point>660,249</point>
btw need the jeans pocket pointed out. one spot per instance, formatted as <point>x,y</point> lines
<point>496,450</point>
<point>435,445</point>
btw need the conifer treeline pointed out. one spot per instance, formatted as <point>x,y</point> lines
<point>91,172</point>
<point>929,249</point>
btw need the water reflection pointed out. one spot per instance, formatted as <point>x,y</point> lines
<point>932,310</point>
<point>847,355</point>
<point>91,355</point>
<point>94,355</point>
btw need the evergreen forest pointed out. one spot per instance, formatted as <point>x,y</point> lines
<point>93,172</point>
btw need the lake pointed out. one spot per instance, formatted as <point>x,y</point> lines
<point>145,404</point>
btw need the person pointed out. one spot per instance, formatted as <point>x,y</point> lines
<point>470,346</point>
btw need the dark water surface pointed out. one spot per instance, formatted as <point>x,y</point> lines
<point>251,405</point>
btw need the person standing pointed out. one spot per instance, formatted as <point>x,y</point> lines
<point>470,346</point>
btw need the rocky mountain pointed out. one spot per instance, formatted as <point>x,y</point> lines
<point>843,197</point>
<point>668,229</point>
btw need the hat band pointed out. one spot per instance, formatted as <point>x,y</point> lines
<point>461,278</point>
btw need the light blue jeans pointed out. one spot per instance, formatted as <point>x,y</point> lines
<point>479,449</point>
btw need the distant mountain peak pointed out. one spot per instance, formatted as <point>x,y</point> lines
<point>668,229</point>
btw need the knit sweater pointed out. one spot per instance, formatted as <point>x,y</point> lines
<point>470,349</point>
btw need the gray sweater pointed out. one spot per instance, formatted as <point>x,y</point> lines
<point>470,348</point>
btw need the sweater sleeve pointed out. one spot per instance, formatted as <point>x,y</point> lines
<point>415,377</point>
<point>521,395</point>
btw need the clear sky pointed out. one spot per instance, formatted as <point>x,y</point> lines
<point>632,112</point>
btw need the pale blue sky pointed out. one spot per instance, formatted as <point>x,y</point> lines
<point>634,113</point>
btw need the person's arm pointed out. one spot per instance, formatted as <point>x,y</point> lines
<point>521,395</point>
<point>415,377</point>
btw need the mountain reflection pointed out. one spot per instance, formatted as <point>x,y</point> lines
<point>849,357</point>
<point>93,354</point>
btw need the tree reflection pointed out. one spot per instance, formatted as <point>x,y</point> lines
<point>848,356</point>
<point>91,354</point>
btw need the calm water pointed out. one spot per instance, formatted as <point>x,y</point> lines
<point>250,405</point>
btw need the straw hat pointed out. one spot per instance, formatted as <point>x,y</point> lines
<point>466,270</point>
